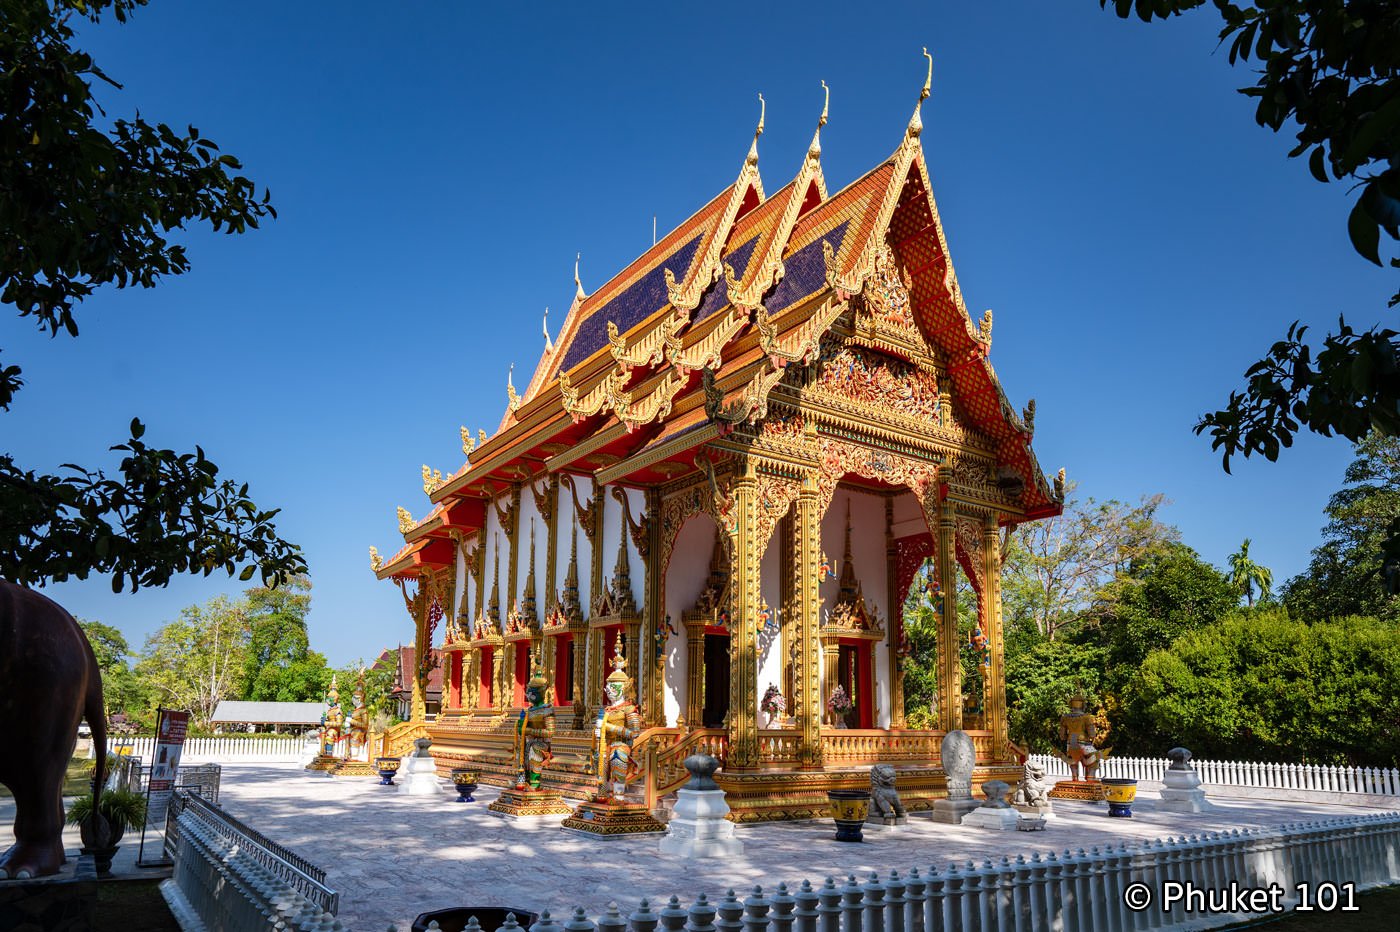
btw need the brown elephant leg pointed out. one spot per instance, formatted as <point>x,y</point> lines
<point>38,815</point>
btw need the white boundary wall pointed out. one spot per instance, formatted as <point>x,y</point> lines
<point>273,749</point>
<point>1308,777</point>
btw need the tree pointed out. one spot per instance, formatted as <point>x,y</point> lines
<point>1039,683</point>
<point>1245,575</point>
<point>1268,687</point>
<point>82,206</point>
<point>1161,597</point>
<point>1053,567</point>
<point>1332,69</point>
<point>280,665</point>
<point>1346,575</point>
<point>121,690</point>
<point>198,660</point>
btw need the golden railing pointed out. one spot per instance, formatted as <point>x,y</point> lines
<point>662,752</point>
<point>398,740</point>
<point>845,747</point>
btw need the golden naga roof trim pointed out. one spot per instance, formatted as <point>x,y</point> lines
<point>685,295</point>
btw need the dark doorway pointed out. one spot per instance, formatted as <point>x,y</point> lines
<point>853,673</point>
<point>716,680</point>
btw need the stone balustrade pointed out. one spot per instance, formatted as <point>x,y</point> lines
<point>1076,891</point>
<point>231,878</point>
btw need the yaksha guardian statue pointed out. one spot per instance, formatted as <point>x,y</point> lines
<point>1077,731</point>
<point>357,727</point>
<point>331,719</point>
<point>534,731</point>
<point>619,723</point>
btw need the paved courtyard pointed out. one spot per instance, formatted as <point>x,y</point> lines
<point>392,856</point>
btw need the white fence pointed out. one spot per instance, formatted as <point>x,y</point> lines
<point>272,749</point>
<point>1072,892</point>
<point>1318,778</point>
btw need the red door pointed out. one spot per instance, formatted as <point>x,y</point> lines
<point>564,670</point>
<point>488,664</point>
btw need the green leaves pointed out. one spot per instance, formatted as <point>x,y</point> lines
<point>1365,233</point>
<point>167,513</point>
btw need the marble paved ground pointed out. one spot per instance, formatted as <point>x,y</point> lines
<point>392,856</point>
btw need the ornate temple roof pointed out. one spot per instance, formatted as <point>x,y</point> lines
<point>692,336</point>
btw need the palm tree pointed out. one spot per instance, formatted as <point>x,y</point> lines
<point>1245,574</point>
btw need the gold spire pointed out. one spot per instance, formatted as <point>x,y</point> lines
<point>814,151</point>
<point>916,124</point>
<point>493,607</point>
<point>578,285</point>
<point>752,160</point>
<point>619,663</point>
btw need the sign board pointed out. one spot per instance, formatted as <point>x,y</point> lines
<point>171,728</point>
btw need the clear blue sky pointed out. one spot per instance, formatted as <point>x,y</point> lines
<point>437,166</point>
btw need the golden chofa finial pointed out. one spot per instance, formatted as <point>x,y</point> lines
<point>432,480</point>
<point>814,151</point>
<point>916,123</point>
<point>578,284</point>
<point>512,399</point>
<point>753,149</point>
<point>405,520</point>
<point>375,560</point>
<point>468,444</point>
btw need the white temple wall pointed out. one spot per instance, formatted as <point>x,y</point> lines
<point>567,519</point>
<point>770,647</point>
<point>909,517</point>
<point>685,578</point>
<point>529,513</point>
<point>490,537</point>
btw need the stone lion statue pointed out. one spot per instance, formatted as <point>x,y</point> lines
<point>884,798</point>
<point>1033,790</point>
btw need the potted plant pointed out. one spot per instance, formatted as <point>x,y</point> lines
<point>839,705</point>
<point>117,811</point>
<point>773,705</point>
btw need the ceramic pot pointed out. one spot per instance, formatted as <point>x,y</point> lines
<point>387,767</point>
<point>466,783</point>
<point>1120,793</point>
<point>849,809</point>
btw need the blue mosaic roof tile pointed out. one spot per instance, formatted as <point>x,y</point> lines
<point>718,296</point>
<point>636,303</point>
<point>806,271</point>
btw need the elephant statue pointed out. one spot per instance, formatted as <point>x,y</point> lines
<point>49,682</point>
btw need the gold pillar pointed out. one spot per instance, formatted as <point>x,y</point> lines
<point>743,628</point>
<point>653,608</point>
<point>895,625</point>
<point>471,679</point>
<point>807,699</point>
<point>995,689</point>
<point>949,660</point>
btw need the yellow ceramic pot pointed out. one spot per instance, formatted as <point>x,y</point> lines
<point>849,809</point>
<point>1120,793</point>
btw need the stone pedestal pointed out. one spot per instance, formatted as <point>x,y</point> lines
<point>1088,790</point>
<point>1044,813</point>
<point>1182,792</point>
<point>613,819</point>
<point>999,819</point>
<point>886,822</point>
<point>524,804</point>
<point>952,810</point>
<point>353,768</point>
<point>327,762</point>
<point>418,777</point>
<point>698,827</point>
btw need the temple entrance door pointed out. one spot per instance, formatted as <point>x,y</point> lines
<point>483,695</point>
<point>564,670</point>
<point>453,697</point>
<point>522,670</point>
<point>716,680</point>
<point>853,673</point>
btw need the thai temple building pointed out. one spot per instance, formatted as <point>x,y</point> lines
<point>730,467</point>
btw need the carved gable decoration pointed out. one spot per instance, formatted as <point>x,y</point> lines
<point>869,383</point>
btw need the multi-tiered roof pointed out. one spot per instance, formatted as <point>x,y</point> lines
<point>692,336</point>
